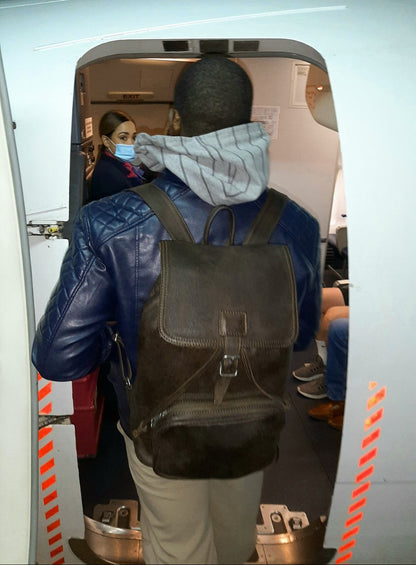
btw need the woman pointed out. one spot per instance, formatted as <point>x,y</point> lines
<point>114,171</point>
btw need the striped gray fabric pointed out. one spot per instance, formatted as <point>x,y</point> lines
<point>228,166</point>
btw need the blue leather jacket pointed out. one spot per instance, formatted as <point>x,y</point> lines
<point>113,262</point>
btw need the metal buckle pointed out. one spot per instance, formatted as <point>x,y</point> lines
<point>229,366</point>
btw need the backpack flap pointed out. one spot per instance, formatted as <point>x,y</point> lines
<point>204,303</point>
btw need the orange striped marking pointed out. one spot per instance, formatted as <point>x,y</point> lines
<point>350,533</point>
<point>371,420</point>
<point>361,490</point>
<point>367,457</point>
<point>345,552</point>
<point>344,557</point>
<point>370,438</point>
<point>47,477</point>
<point>357,505</point>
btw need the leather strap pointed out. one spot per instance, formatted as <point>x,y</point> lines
<point>172,220</point>
<point>267,219</point>
<point>211,217</point>
<point>166,211</point>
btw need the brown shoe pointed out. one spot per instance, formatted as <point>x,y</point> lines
<point>327,410</point>
<point>337,422</point>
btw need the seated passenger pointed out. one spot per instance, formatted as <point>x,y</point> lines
<point>113,171</point>
<point>313,374</point>
<point>332,410</point>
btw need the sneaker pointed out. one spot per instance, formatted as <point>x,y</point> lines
<point>315,389</point>
<point>310,371</point>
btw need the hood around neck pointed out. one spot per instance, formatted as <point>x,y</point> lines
<point>228,166</point>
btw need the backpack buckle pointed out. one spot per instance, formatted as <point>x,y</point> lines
<point>229,366</point>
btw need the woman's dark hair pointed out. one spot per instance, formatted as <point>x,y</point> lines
<point>213,93</point>
<point>111,120</point>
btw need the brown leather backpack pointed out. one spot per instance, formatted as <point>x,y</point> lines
<point>214,348</point>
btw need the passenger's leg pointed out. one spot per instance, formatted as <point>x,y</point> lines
<point>333,305</point>
<point>336,371</point>
<point>174,516</point>
<point>331,314</point>
<point>318,387</point>
<point>332,411</point>
<point>234,509</point>
<point>331,297</point>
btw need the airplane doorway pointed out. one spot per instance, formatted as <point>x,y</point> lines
<point>304,161</point>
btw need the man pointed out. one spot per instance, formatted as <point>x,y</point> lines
<point>113,261</point>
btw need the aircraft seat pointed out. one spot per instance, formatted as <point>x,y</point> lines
<point>339,242</point>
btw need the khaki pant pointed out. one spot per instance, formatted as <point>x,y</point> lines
<point>195,521</point>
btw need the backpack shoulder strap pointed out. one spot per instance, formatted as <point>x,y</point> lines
<point>267,219</point>
<point>166,211</point>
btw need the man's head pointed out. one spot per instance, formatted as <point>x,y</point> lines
<point>211,94</point>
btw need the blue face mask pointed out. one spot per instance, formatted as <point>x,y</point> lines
<point>125,152</point>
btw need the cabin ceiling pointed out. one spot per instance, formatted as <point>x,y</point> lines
<point>138,80</point>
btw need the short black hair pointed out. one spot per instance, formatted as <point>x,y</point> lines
<point>213,93</point>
